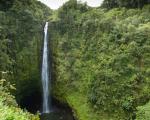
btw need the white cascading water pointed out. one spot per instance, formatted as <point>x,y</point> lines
<point>45,73</point>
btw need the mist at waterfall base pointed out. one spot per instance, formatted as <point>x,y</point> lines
<point>49,112</point>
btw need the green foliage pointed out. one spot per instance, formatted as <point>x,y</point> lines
<point>9,109</point>
<point>124,3</point>
<point>100,57</point>
<point>21,28</point>
<point>143,112</point>
<point>104,55</point>
<point>68,13</point>
<point>6,4</point>
<point>21,35</point>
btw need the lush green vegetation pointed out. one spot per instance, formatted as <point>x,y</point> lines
<point>125,3</point>
<point>9,110</point>
<point>101,57</point>
<point>102,60</point>
<point>21,29</point>
<point>143,112</point>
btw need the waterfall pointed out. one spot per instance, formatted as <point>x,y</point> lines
<point>45,73</point>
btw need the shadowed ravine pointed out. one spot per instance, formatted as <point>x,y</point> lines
<point>57,114</point>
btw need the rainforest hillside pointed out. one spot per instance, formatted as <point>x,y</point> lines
<point>100,58</point>
<point>21,27</point>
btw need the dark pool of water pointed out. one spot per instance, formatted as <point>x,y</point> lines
<point>58,114</point>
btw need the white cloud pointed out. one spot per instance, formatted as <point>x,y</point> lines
<point>55,4</point>
<point>93,3</point>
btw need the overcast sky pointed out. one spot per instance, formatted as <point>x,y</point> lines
<point>55,4</point>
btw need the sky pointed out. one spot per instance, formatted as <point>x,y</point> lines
<point>55,4</point>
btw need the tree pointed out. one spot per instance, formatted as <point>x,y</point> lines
<point>6,4</point>
<point>125,3</point>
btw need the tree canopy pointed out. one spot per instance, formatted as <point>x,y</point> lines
<point>125,3</point>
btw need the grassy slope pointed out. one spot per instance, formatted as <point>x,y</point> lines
<point>78,102</point>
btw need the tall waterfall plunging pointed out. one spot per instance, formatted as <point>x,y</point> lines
<point>45,72</point>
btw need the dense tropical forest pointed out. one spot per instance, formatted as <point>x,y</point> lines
<point>21,26</point>
<point>100,59</point>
